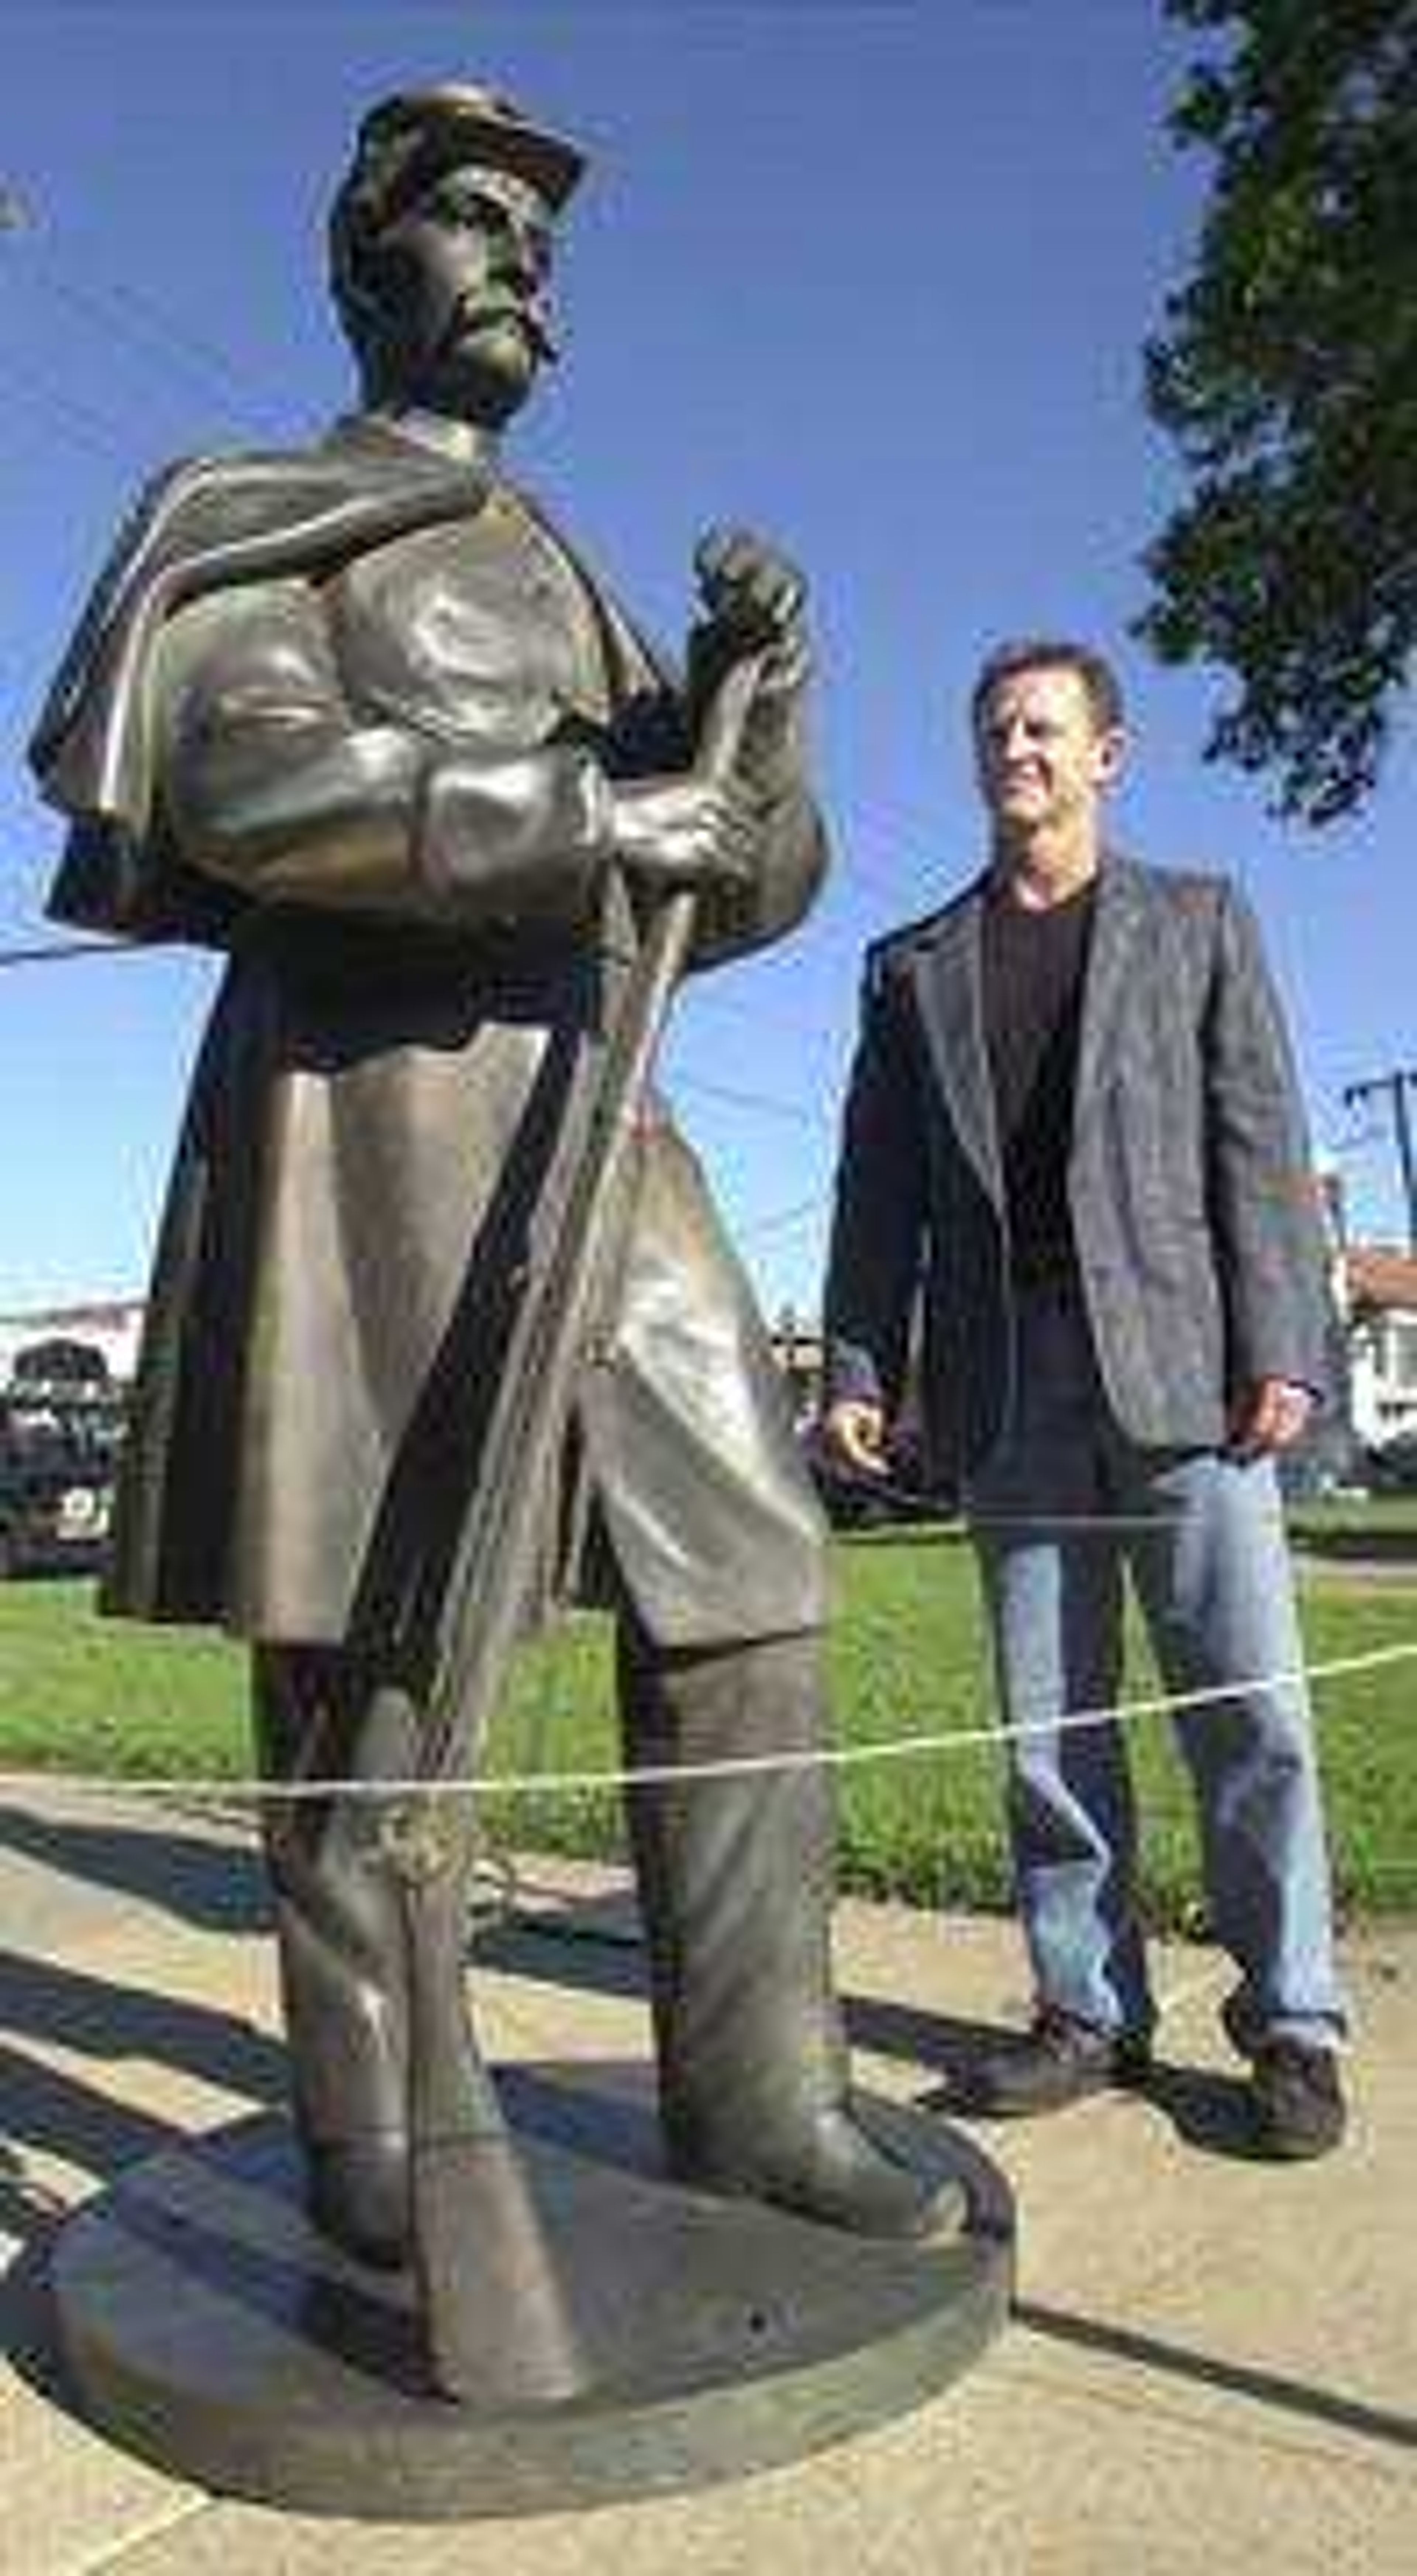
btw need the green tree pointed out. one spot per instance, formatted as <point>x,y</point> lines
<point>1288,376</point>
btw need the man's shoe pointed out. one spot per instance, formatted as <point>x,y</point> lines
<point>1297,2108</point>
<point>1060,2061</point>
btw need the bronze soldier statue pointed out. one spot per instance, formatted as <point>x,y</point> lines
<point>359,716</point>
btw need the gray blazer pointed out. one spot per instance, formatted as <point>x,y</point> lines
<point>1194,1208</point>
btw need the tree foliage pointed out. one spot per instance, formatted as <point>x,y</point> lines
<point>1288,377</point>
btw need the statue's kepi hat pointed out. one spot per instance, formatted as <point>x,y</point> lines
<point>410,139</point>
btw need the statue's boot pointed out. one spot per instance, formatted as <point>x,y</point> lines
<point>736,1883</point>
<point>340,1921</point>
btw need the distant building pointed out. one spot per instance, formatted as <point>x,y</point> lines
<point>1379,1299</point>
<point>797,1349</point>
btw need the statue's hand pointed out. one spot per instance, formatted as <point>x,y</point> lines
<point>684,831</point>
<point>750,591</point>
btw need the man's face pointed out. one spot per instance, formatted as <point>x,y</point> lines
<point>1044,761</point>
<point>462,277</point>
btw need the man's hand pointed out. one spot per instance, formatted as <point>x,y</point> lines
<point>853,1435</point>
<point>1271,1415</point>
<point>684,831</point>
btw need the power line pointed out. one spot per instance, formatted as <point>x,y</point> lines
<point>1359,1141</point>
<point>1393,1086</point>
<point>148,326</point>
<point>772,1105</point>
<point>93,430</point>
<point>151,331</point>
<point>784,1219</point>
<point>61,952</point>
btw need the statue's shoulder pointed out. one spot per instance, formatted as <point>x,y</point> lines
<point>185,513</point>
<point>186,503</point>
<point>176,520</point>
<point>285,498</point>
<point>229,512</point>
<point>207,522</point>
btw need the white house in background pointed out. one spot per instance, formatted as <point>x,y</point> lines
<point>110,1328</point>
<point>1379,1295</point>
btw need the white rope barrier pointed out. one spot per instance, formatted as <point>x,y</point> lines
<point>836,1757</point>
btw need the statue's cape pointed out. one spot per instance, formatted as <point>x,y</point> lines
<point>204,525</point>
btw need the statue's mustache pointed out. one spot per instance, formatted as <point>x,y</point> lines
<point>480,312</point>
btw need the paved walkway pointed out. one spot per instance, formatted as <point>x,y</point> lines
<point>1213,2364</point>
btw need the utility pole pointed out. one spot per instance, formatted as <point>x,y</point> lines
<point>1395,1086</point>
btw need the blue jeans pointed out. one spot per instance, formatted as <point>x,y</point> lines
<point>1203,1539</point>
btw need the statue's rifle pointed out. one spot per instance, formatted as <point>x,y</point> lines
<point>491,2309</point>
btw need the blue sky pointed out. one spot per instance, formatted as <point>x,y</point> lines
<point>873,275</point>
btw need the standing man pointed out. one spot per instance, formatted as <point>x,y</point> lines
<point>360,716</point>
<point>1074,1166</point>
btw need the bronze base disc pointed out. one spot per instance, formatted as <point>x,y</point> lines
<point>205,2324</point>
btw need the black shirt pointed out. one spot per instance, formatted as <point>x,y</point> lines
<point>1034,965</point>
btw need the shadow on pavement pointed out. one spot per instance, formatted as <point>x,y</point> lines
<point>98,2017</point>
<point>210,1883</point>
<point>46,2111</point>
<point>1267,2387</point>
<point>593,1946</point>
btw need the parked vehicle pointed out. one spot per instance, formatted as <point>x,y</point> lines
<point>58,1458</point>
<point>1392,1467</point>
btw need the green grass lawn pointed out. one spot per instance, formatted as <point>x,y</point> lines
<point>82,1695</point>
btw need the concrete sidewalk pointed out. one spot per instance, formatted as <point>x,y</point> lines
<point>1213,2364</point>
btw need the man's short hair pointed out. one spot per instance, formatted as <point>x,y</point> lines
<point>1053,653</point>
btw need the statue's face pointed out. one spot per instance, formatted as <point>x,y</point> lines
<point>462,278</point>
